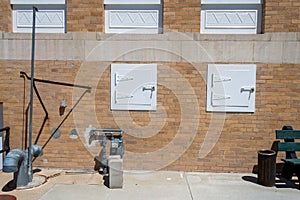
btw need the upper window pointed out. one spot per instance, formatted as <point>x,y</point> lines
<point>231,16</point>
<point>133,16</point>
<point>49,19</point>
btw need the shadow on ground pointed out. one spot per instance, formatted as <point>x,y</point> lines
<point>11,185</point>
<point>280,181</point>
<point>106,180</point>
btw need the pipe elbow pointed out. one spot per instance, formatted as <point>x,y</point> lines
<point>12,160</point>
<point>36,151</point>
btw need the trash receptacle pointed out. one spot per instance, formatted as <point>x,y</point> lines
<point>266,167</point>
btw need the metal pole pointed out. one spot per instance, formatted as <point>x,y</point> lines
<point>34,9</point>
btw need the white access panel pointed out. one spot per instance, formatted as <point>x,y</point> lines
<point>133,19</point>
<point>231,88</point>
<point>133,86</point>
<point>231,18</point>
<point>49,19</point>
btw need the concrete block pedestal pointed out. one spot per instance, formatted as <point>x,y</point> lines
<point>115,164</point>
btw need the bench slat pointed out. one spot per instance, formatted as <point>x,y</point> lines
<point>287,134</point>
<point>294,161</point>
<point>289,146</point>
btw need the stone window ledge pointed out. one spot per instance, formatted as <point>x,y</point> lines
<point>148,37</point>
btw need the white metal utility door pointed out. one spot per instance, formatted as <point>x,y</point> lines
<point>231,88</point>
<point>133,87</point>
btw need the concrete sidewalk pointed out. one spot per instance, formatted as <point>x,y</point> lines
<point>66,185</point>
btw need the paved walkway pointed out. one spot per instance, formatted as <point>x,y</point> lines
<point>66,185</point>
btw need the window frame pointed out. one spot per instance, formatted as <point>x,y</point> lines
<point>55,9</point>
<point>131,9</point>
<point>234,11</point>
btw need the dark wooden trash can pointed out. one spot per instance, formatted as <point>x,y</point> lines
<point>266,167</point>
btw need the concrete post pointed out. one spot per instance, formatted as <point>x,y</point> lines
<point>115,164</point>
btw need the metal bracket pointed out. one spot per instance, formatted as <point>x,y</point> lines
<point>151,88</point>
<point>248,89</point>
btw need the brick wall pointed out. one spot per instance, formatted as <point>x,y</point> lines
<point>181,16</point>
<point>178,16</point>
<point>85,16</point>
<point>149,132</point>
<point>5,16</point>
<point>62,152</point>
<point>281,16</point>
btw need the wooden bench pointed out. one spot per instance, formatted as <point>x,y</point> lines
<point>290,146</point>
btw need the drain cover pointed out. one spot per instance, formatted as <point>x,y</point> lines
<point>7,197</point>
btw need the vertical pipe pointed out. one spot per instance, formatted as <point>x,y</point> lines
<point>23,125</point>
<point>34,9</point>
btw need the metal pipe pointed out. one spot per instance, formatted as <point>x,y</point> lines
<point>88,89</point>
<point>34,9</point>
<point>26,127</point>
<point>17,161</point>
<point>56,82</point>
<point>23,125</point>
<point>61,123</point>
<point>13,160</point>
<point>23,74</point>
<point>45,110</point>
